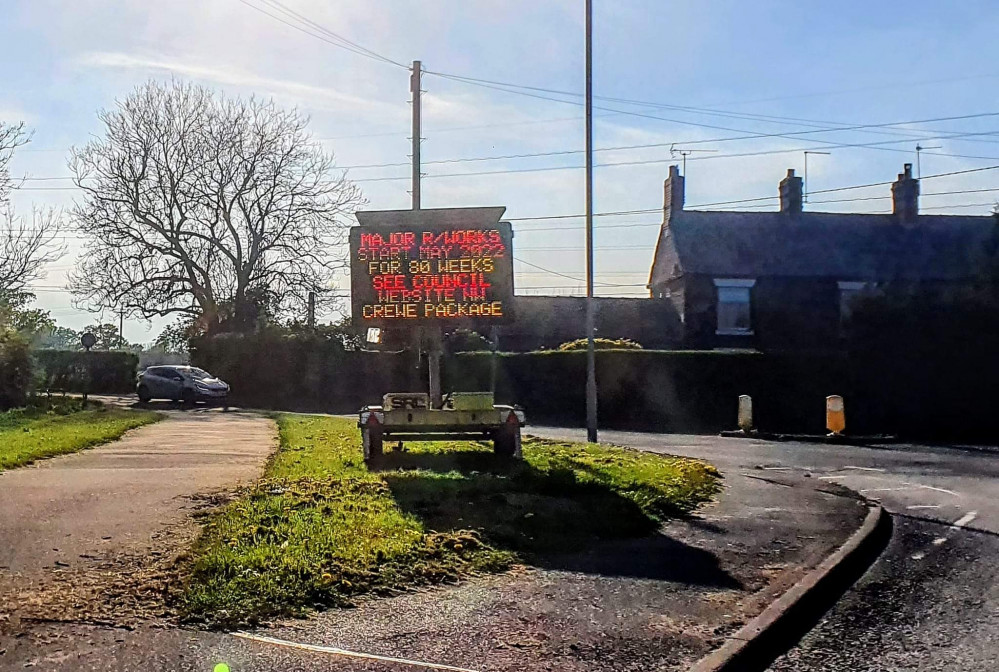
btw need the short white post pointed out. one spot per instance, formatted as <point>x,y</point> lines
<point>745,412</point>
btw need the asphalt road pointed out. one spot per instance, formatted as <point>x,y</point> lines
<point>931,601</point>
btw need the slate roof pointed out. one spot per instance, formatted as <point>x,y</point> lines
<point>834,245</point>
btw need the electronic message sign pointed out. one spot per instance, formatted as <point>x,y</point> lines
<point>449,267</point>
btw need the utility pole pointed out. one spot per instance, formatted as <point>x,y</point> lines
<point>434,333</point>
<point>591,347</point>
<point>121,329</point>
<point>414,85</point>
<point>310,318</point>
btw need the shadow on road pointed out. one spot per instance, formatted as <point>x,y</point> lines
<point>177,406</point>
<point>552,519</point>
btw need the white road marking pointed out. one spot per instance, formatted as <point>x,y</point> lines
<point>344,652</point>
<point>910,486</point>
<point>830,478</point>
<point>930,487</point>
<point>923,506</point>
<point>850,466</point>
<point>964,520</point>
<point>906,487</point>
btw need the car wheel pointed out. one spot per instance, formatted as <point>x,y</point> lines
<point>144,394</point>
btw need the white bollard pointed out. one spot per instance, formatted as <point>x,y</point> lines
<point>745,412</point>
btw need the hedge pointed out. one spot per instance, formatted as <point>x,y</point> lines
<point>943,395</point>
<point>99,372</point>
<point>15,370</point>
<point>655,390</point>
<point>274,369</point>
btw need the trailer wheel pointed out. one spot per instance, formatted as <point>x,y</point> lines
<point>506,441</point>
<point>372,440</point>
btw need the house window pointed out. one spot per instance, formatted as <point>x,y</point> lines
<point>849,292</point>
<point>733,306</point>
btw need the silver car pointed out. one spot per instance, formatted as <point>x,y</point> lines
<point>181,383</point>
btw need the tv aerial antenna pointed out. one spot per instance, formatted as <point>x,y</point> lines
<point>674,150</point>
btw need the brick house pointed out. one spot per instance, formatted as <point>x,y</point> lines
<point>786,279</point>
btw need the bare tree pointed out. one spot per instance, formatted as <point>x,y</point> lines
<point>25,246</point>
<point>199,204</point>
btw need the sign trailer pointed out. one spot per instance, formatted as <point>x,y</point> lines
<point>431,270</point>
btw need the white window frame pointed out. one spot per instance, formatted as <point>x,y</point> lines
<point>855,286</point>
<point>734,283</point>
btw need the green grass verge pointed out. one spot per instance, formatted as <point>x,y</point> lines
<point>321,528</point>
<point>48,429</point>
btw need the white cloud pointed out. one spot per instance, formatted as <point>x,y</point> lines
<point>13,113</point>
<point>315,97</point>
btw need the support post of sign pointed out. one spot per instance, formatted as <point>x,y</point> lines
<point>434,361</point>
<point>591,356</point>
<point>494,338</point>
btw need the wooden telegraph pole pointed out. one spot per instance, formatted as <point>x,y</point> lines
<point>433,333</point>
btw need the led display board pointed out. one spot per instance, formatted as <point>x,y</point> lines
<point>450,267</point>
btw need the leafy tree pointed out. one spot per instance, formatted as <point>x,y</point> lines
<point>108,337</point>
<point>59,338</point>
<point>221,210</point>
<point>176,337</point>
<point>15,370</point>
<point>466,340</point>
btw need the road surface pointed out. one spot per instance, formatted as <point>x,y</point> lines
<point>931,601</point>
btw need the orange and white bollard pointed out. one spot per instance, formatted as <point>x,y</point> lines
<point>835,415</point>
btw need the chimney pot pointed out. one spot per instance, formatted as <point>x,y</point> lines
<point>673,190</point>
<point>905,196</point>
<point>791,196</point>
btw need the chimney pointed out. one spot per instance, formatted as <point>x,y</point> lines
<point>790,194</point>
<point>673,192</point>
<point>905,196</point>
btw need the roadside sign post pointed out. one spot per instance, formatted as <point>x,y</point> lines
<point>423,271</point>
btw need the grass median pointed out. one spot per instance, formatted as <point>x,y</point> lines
<point>322,528</point>
<point>49,428</point>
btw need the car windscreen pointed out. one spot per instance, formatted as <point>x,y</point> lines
<point>199,374</point>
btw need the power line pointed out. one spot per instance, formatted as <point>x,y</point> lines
<point>326,35</point>
<point>511,171</point>
<point>828,144</point>
<point>444,129</point>
<point>513,89</point>
<point>742,201</point>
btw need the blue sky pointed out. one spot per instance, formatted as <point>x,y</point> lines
<point>813,65</point>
